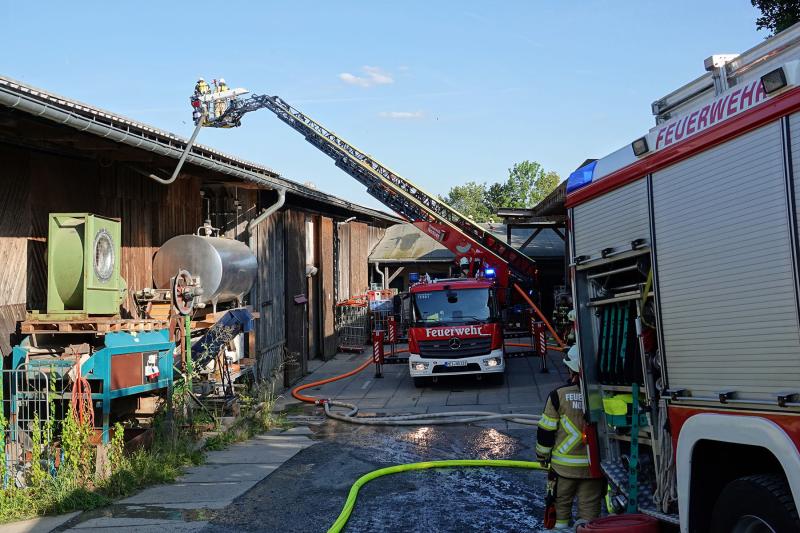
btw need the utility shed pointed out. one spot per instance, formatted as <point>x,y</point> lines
<point>60,155</point>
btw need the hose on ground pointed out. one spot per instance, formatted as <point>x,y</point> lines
<point>350,503</point>
<point>424,419</point>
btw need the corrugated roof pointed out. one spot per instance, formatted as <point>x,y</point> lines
<point>405,243</point>
<point>134,131</point>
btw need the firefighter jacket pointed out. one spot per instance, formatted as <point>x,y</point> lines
<point>559,438</point>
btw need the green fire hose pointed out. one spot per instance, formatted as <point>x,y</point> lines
<point>341,521</point>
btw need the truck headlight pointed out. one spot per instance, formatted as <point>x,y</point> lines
<point>492,361</point>
<point>419,367</point>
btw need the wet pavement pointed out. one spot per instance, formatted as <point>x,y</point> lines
<point>298,481</point>
<point>306,493</point>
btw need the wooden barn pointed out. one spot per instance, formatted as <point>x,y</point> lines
<point>59,155</point>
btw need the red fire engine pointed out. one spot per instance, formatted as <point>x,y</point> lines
<point>684,252</point>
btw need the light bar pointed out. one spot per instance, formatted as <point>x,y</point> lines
<point>773,81</point>
<point>640,146</point>
<point>581,177</point>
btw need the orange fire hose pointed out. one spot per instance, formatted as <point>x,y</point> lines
<point>561,343</point>
<point>311,399</point>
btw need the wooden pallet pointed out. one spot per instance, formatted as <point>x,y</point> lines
<point>91,325</point>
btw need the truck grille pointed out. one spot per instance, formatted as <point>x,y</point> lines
<point>468,348</point>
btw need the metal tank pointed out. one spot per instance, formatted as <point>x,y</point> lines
<point>227,268</point>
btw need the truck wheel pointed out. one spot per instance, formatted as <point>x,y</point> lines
<point>421,383</point>
<point>499,379</point>
<point>755,504</point>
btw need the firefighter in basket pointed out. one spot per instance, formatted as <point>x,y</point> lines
<point>560,444</point>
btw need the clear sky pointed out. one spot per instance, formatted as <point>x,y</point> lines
<point>442,92</point>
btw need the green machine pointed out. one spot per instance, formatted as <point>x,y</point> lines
<point>83,255</point>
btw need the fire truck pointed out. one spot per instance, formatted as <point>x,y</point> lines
<point>684,261</point>
<point>455,329</point>
<point>455,325</point>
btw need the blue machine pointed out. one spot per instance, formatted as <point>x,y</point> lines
<point>128,364</point>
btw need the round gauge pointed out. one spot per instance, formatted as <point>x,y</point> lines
<point>103,255</point>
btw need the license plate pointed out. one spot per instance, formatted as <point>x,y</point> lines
<point>455,363</point>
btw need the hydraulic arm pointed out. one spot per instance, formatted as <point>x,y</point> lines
<point>462,236</point>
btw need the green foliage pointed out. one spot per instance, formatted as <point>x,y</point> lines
<point>3,427</point>
<point>469,200</point>
<point>527,184</point>
<point>37,474</point>
<point>75,486</point>
<point>777,15</point>
<point>78,450</point>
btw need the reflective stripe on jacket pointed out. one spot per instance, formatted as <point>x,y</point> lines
<point>559,438</point>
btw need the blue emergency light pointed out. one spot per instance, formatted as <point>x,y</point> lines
<point>489,273</point>
<point>581,177</point>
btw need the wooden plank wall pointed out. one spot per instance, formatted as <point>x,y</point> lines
<point>270,294</point>
<point>344,261</point>
<point>34,184</point>
<point>359,251</point>
<point>312,287</point>
<point>327,302</point>
<point>295,265</point>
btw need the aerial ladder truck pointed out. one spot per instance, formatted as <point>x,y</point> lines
<point>480,254</point>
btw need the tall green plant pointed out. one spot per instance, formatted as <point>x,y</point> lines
<point>37,473</point>
<point>76,441</point>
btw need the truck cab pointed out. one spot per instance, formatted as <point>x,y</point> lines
<point>454,329</point>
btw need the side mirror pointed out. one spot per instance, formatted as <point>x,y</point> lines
<point>406,313</point>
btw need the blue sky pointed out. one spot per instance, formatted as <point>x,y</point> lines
<point>442,92</point>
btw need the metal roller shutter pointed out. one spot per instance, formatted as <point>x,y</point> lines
<point>612,220</point>
<point>726,284</point>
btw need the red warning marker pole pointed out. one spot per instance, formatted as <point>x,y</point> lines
<point>377,352</point>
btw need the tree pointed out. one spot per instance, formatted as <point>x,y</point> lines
<point>527,184</point>
<point>776,15</point>
<point>497,196</point>
<point>470,200</point>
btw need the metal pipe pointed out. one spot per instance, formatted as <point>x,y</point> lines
<point>182,158</point>
<point>268,211</point>
<point>383,276</point>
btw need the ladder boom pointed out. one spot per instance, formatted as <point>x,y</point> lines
<point>391,189</point>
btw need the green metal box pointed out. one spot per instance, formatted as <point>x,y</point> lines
<point>83,255</point>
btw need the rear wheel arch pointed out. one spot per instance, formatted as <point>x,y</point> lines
<point>717,449</point>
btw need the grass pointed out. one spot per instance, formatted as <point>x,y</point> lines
<point>76,487</point>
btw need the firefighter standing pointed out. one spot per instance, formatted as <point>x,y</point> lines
<point>201,87</point>
<point>559,442</point>
<point>222,104</point>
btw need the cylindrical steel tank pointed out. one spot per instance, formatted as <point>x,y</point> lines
<point>227,268</point>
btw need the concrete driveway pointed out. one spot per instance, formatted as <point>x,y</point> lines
<point>525,389</point>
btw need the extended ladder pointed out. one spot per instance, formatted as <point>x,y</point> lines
<point>394,191</point>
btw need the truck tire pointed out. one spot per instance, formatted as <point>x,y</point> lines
<point>499,379</point>
<point>758,503</point>
<point>421,383</point>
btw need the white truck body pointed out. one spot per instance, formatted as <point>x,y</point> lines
<point>694,241</point>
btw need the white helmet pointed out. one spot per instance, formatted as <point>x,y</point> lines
<point>571,315</point>
<point>200,79</point>
<point>222,80</point>
<point>573,360</point>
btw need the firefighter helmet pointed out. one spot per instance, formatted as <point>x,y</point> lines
<point>573,360</point>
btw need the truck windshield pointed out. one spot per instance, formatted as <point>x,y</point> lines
<point>462,306</point>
